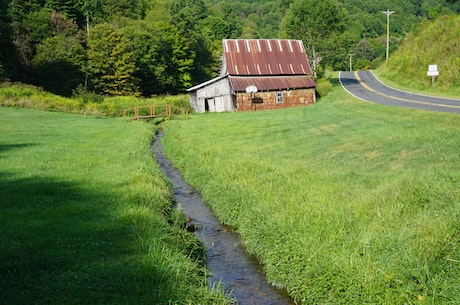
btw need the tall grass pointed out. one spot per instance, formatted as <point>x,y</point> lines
<point>344,202</point>
<point>27,96</point>
<point>87,218</point>
<point>434,42</point>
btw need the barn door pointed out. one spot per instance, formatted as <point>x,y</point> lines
<point>209,105</point>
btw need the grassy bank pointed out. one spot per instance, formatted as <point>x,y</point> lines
<point>345,202</point>
<point>27,96</point>
<point>434,42</point>
<point>87,217</point>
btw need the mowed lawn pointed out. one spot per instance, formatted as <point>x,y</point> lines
<point>86,216</point>
<point>344,202</point>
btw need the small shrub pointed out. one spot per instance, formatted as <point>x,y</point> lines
<point>84,96</point>
<point>323,87</point>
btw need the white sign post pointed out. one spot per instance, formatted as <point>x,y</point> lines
<point>433,72</point>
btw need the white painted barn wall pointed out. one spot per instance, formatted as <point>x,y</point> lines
<point>218,94</point>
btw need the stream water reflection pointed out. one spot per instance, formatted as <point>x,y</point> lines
<point>227,260</point>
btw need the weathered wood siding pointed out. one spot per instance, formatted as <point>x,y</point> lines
<point>215,97</point>
<point>291,98</point>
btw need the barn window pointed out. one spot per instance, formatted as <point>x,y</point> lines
<point>279,97</point>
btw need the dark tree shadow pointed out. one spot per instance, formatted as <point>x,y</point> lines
<point>5,147</point>
<point>68,242</point>
<point>335,81</point>
<point>59,77</point>
<point>60,242</point>
<point>51,243</point>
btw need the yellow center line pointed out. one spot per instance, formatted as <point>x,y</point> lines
<point>399,98</point>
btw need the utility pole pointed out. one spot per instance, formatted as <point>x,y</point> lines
<point>388,13</point>
<point>350,55</point>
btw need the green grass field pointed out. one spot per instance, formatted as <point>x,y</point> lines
<point>86,216</point>
<point>344,202</point>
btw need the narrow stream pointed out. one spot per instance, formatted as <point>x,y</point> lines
<point>227,260</point>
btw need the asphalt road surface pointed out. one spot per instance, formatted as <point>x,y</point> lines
<point>365,86</point>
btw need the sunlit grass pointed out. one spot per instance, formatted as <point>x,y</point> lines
<point>28,96</point>
<point>86,216</point>
<point>408,65</point>
<point>398,81</point>
<point>345,202</point>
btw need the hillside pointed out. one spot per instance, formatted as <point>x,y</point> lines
<point>434,42</point>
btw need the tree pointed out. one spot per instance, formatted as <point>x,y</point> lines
<point>58,64</point>
<point>28,32</point>
<point>181,61</point>
<point>111,62</point>
<point>133,9</point>
<point>59,59</point>
<point>37,24</point>
<point>318,24</point>
<point>162,57</point>
<point>188,17</point>
<point>7,54</point>
<point>233,26</point>
<point>186,14</point>
<point>91,10</point>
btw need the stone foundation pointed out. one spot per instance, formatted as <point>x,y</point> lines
<point>275,99</point>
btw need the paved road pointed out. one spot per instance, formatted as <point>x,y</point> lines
<point>365,86</point>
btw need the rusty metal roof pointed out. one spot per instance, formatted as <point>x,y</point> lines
<point>268,83</point>
<point>264,57</point>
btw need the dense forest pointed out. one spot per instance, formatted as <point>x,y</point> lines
<point>154,47</point>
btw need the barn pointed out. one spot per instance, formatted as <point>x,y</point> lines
<point>257,74</point>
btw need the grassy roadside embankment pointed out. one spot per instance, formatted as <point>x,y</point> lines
<point>344,202</point>
<point>87,216</point>
<point>433,42</point>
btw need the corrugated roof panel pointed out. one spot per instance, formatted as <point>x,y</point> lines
<point>265,57</point>
<point>267,83</point>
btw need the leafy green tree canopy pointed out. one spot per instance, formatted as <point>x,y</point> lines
<point>319,24</point>
<point>111,62</point>
<point>162,57</point>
